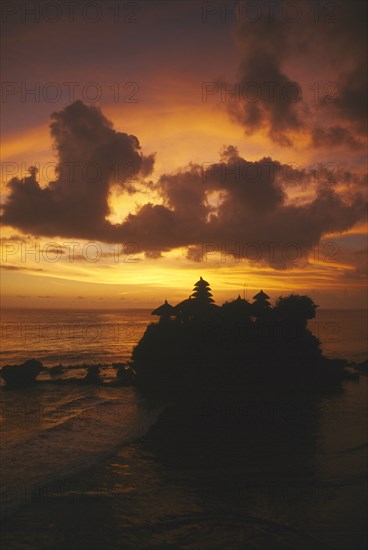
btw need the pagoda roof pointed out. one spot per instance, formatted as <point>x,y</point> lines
<point>164,309</point>
<point>193,306</point>
<point>184,305</point>
<point>208,293</point>
<point>238,303</point>
<point>202,282</point>
<point>261,296</point>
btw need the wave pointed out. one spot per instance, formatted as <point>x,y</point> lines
<point>361,447</point>
<point>74,435</point>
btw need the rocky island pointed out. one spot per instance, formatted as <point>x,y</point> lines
<point>204,349</point>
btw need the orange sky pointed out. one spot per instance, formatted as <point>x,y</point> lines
<point>169,54</point>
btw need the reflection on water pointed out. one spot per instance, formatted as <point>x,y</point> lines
<point>343,333</point>
<point>70,336</point>
<point>291,477</point>
<point>73,337</point>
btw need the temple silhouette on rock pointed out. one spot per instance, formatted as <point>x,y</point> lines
<point>200,305</point>
<point>200,346</point>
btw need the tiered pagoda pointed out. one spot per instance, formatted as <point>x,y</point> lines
<point>261,305</point>
<point>200,305</point>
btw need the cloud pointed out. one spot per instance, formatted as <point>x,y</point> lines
<point>334,137</point>
<point>92,157</point>
<point>232,203</point>
<point>13,238</point>
<point>17,268</point>
<point>251,210</point>
<point>352,101</point>
<point>276,95</point>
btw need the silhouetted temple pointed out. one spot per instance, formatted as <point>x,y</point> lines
<point>237,309</point>
<point>261,305</point>
<point>200,305</point>
<point>165,311</point>
<point>202,292</point>
<point>198,346</point>
<point>261,296</point>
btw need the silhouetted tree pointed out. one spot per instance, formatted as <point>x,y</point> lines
<point>295,309</point>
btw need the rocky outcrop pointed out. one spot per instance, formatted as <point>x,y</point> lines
<point>20,376</point>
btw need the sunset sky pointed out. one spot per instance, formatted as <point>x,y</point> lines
<point>181,139</point>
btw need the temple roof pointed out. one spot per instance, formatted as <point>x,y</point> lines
<point>261,296</point>
<point>193,306</point>
<point>202,282</point>
<point>164,309</point>
<point>208,293</point>
<point>184,305</point>
<point>237,304</point>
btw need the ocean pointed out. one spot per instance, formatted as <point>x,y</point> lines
<point>75,474</point>
<point>71,336</point>
<point>96,336</point>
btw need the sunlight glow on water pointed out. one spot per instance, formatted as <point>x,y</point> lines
<point>74,337</point>
<point>71,337</point>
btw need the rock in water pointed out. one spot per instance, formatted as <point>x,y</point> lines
<point>20,376</point>
<point>93,375</point>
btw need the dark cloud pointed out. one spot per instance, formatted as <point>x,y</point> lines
<point>18,268</point>
<point>268,99</point>
<point>92,157</point>
<point>334,137</point>
<point>274,50</point>
<point>232,201</point>
<point>361,263</point>
<point>358,259</point>
<point>13,239</point>
<point>252,210</point>
<point>352,100</point>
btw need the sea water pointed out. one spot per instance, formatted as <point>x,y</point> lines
<point>108,336</point>
<point>75,476</point>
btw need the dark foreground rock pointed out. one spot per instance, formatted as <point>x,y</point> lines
<point>231,432</point>
<point>247,419</point>
<point>20,376</point>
